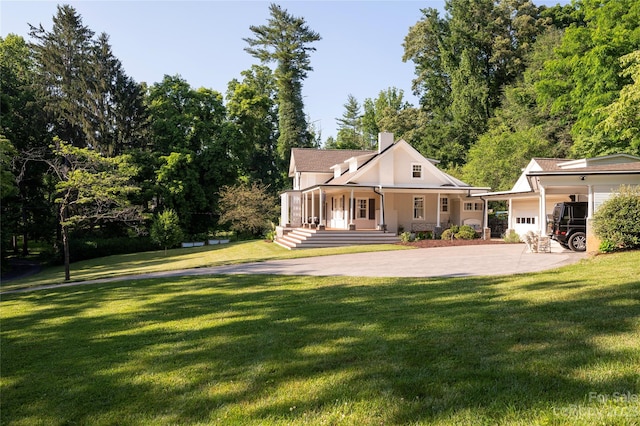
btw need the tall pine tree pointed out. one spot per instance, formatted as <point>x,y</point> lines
<point>286,41</point>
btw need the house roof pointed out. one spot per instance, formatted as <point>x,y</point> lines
<point>445,179</point>
<point>608,163</point>
<point>321,160</point>
<point>325,161</point>
<point>549,164</point>
<point>615,164</point>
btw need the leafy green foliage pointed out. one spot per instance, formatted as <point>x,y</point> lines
<point>511,236</point>
<point>248,209</point>
<point>165,229</point>
<point>28,212</point>
<point>8,186</point>
<point>463,62</point>
<point>91,190</point>
<point>90,100</point>
<point>407,237</point>
<point>464,232</point>
<point>586,75</point>
<point>197,150</point>
<point>85,248</point>
<point>252,110</point>
<point>617,221</point>
<point>622,117</point>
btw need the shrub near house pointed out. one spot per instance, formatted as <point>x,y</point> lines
<point>617,221</point>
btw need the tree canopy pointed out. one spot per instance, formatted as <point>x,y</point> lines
<point>286,40</point>
<point>498,82</point>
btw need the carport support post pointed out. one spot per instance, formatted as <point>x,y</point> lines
<point>510,214</point>
<point>438,212</point>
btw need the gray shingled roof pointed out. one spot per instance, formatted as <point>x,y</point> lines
<point>550,165</point>
<point>321,160</point>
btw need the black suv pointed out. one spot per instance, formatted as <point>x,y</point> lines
<point>568,225</point>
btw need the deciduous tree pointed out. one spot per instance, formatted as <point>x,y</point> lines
<point>165,229</point>
<point>586,75</point>
<point>248,208</point>
<point>91,189</point>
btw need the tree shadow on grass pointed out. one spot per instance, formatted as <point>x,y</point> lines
<point>273,348</point>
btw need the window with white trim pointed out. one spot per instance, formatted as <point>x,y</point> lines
<point>418,208</point>
<point>362,211</point>
<point>444,204</point>
<point>470,207</point>
<point>416,171</point>
<point>526,220</point>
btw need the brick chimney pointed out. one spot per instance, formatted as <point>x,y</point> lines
<point>385,140</point>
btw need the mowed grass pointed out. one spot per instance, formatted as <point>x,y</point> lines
<point>558,347</point>
<point>182,258</point>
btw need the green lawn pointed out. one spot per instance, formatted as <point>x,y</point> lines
<point>559,347</point>
<point>182,258</point>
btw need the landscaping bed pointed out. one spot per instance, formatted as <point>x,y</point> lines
<point>450,243</point>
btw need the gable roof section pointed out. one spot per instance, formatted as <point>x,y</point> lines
<point>446,179</point>
<point>320,160</point>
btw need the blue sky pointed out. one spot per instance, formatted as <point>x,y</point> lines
<point>360,52</point>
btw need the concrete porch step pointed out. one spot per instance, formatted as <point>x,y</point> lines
<point>312,238</point>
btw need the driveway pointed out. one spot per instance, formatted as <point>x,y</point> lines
<point>496,259</point>
<point>461,261</point>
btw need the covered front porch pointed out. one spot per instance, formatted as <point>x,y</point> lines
<point>393,210</point>
<point>330,208</point>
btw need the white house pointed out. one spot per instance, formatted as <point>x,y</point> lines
<point>393,189</point>
<point>547,181</point>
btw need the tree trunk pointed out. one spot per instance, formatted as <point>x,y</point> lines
<point>65,244</point>
<point>25,234</point>
<point>64,229</point>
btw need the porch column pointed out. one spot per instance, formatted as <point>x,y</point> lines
<point>438,211</point>
<point>382,211</point>
<point>543,211</point>
<point>320,215</point>
<point>313,207</point>
<point>305,213</point>
<point>351,208</point>
<point>284,209</point>
<point>590,204</point>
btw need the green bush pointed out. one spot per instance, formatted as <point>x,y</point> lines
<point>91,248</point>
<point>617,221</point>
<point>447,234</point>
<point>424,235</point>
<point>406,237</point>
<point>464,232</point>
<point>511,237</point>
<point>606,246</point>
<point>165,229</point>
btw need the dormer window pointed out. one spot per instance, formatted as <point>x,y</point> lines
<point>416,171</point>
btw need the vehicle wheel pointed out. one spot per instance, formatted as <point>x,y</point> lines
<point>578,241</point>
